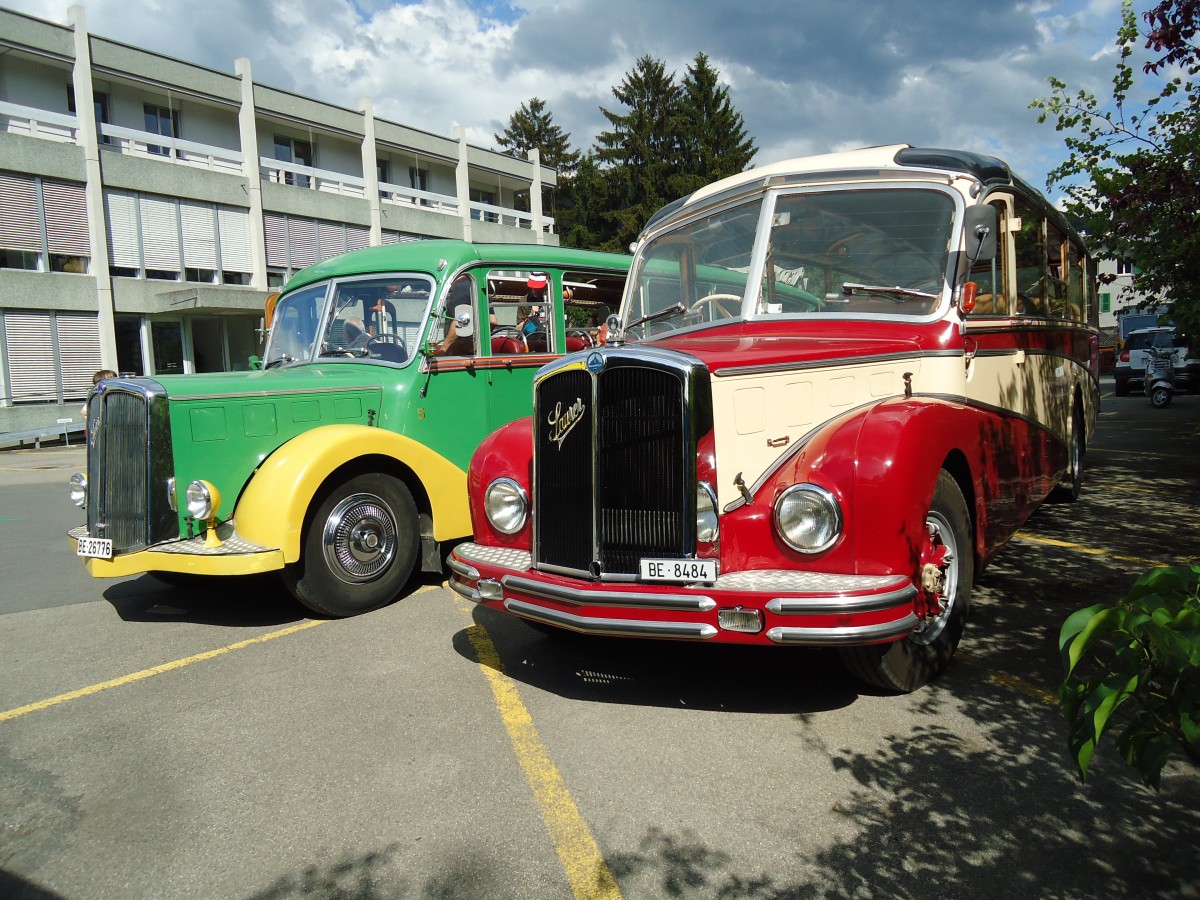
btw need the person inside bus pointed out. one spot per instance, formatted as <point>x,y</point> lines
<point>355,334</point>
<point>533,313</point>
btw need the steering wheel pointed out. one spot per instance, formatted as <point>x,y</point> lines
<point>583,334</point>
<point>716,303</point>
<point>538,341</point>
<point>389,347</point>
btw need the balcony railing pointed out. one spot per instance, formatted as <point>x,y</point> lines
<point>311,178</point>
<point>406,196</point>
<point>38,123</point>
<point>502,215</point>
<point>132,142</point>
<point>47,125</point>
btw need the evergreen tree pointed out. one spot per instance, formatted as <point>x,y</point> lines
<point>641,151</point>
<point>713,142</point>
<point>532,126</point>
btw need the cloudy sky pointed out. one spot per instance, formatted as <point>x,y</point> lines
<point>808,77</point>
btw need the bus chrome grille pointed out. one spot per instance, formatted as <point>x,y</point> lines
<point>620,484</point>
<point>128,434</point>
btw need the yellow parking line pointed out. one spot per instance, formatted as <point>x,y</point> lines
<point>580,857</point>
<point>154,670</point>
<point>1090,551</point>
<point>1012,682</point>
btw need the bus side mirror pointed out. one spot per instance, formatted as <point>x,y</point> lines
<point>982,225</point>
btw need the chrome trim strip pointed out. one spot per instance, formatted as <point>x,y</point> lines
<point>820,606</point>
<point>694,631</point>
<point>461,568</point>
<point>631,599</point>
<point>839,637</point>
<point>830,363</point>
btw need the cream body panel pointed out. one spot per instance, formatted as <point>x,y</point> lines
<point>758,417</point>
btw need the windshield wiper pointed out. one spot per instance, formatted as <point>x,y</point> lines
<point>896,294</point>
<point>677,309</point>
<point>280,360</point>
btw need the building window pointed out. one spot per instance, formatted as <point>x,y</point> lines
<point>488,197</point>
<point>100,106</point>
<point>203,276</point>
<point>1124,266</point>
<point>418,180</point>
<point>1105,302</point>
<point>382,171</point>
<point>20,259</point>
<point>160,120</point>
<point>293,150</point>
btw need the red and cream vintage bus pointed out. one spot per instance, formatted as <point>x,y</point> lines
<point>836,387</point>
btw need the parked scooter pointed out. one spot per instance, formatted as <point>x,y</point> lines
<point>1160,376</point>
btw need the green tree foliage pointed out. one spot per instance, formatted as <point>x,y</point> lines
<point>1132,174</point>
<point>532,126</point>
<point>668,139</point>
<point>640,154</point>
<point>1143,651</point>
<point>713,143</point>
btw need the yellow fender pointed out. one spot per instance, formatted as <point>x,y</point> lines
<point>272,508</point>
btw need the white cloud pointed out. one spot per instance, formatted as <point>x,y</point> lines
<point>808,78</point>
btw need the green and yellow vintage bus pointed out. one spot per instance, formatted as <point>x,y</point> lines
<point>340,459</point>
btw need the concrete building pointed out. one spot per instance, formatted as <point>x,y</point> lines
<point>142,231</point>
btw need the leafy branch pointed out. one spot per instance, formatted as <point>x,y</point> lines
<point>1142,654</point>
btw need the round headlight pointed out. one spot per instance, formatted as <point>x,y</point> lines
<point>506,505</point>
<point>79,489</point>
<point>708,525</point>
<point>808,518</point>
<point>202,500</point>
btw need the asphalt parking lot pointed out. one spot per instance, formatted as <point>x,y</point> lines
<point>160,742</point>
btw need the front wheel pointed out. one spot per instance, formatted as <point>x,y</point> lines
<point>947,572</point>
<point>359,549</point>
<point>1160,398</point>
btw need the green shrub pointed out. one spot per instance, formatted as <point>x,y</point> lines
<point>1142,653</point>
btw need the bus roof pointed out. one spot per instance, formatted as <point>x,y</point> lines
<point>426,256</point>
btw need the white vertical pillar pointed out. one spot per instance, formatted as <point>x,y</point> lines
<point>248,131</point>
<point>535,195</point>
<point>462,182</point>
<point>370,164</point>
<point>93,192</point>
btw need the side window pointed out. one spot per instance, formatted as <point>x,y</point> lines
<point>992,299</point>
<point>456,328</point>
<point>1029,253</point>
<point>588,300</point>
<point>1056,272</point>
<point>1077,305</point>
<point>520,314</point>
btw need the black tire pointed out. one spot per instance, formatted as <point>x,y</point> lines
<point>913,661</point>
<point>359,549</point>
<point>1160,398</point>
<point>1067,490</point>
<point>1121,387</point>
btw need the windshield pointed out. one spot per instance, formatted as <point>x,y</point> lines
<point>860,251</point>
<point>378,317</point>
